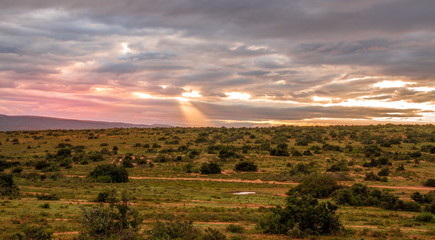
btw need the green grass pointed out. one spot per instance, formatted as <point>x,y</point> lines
<point>211,203</point>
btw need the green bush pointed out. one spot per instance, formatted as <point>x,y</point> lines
<point>117,221</point>
<point>235,228</point>
<point>210,168</point>
<point>7,186</point>
<point>361,195</point>
<point>180,230</point>
<point>47,197</point>
<point>246,166</point>
<point>430,182</point>
<point>106,196</point>
<point>174,230</point>
<point>371,176</point>
<point>212,234</point>
<point>300,217</point>
<point>109,173</point>
<point>316,185</point>
<point>37,232</point>
<point>425,217</point>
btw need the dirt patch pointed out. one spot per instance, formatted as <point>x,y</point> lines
<point>261,182</point>
<point>66,233</point>
<point>375,227</point>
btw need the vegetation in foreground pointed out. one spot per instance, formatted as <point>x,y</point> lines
<point>219,183</point>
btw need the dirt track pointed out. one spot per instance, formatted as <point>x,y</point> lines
<point>260,182</point>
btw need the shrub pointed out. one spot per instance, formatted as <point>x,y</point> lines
<point>301,216</point>
<point>430,182</point>
<point>384,172</point>
<point>424,217</point>
<point>109,173</point>
<point>118,221</point>
<point>422,198</point>
<point>210,168</point>
<point>174,230</point>
<point>36,232</point>
<point>47,197</point>
<point>7,186</point>
<point>280,150</point>
<point>235,228</point>
<point>340,166</point>
<point>371,177</point>
<point>246,166</point>
<point>316,185</point>
<point>106,196</point>
<point>212,234</point>
<point>179,230</point>
<point>361,195</point>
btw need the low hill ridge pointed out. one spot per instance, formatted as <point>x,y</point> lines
<point>17,123</point>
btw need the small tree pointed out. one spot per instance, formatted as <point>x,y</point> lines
<point>109,173</point>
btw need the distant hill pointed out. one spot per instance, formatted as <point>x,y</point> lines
<point>16,123</point>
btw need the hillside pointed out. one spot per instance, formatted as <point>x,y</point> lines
<point>22,123</point>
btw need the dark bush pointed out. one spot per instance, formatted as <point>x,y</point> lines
<point>7,185</point>
<point>174,230</point>
<point>340,166</point>
<point>384,172</point>
<point>361,195</point>
<point>280,150</point>
<point>109,173</point>
<point>430,182</point>
<point>36,232</point>
<point>107,196</point>
<point>371,176</point>
<point>210,168</point>
<point>246,166</point>
<point>47,197</point>
<point>300,217</point>
<point>235,228</point>
<point>317,185</point>
<point>425,217</point>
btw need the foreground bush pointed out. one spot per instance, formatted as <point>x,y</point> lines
<point>109,173</point>
<point>182,231</point>
<point>7,186</point>
<point>117,221</point>
<point>300,217</point>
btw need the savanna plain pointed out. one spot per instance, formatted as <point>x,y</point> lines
<point>286,182</point>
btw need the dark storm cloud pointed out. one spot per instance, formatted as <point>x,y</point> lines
<point>250,113</point>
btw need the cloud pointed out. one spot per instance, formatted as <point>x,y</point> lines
<point>280,52</point>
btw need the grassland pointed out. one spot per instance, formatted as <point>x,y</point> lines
<point>166,183</point>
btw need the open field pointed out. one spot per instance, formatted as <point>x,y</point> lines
<point>166,183</point>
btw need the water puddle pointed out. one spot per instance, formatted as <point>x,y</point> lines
<point>243,193</point>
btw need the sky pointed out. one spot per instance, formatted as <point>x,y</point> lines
<point>219,62</point>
